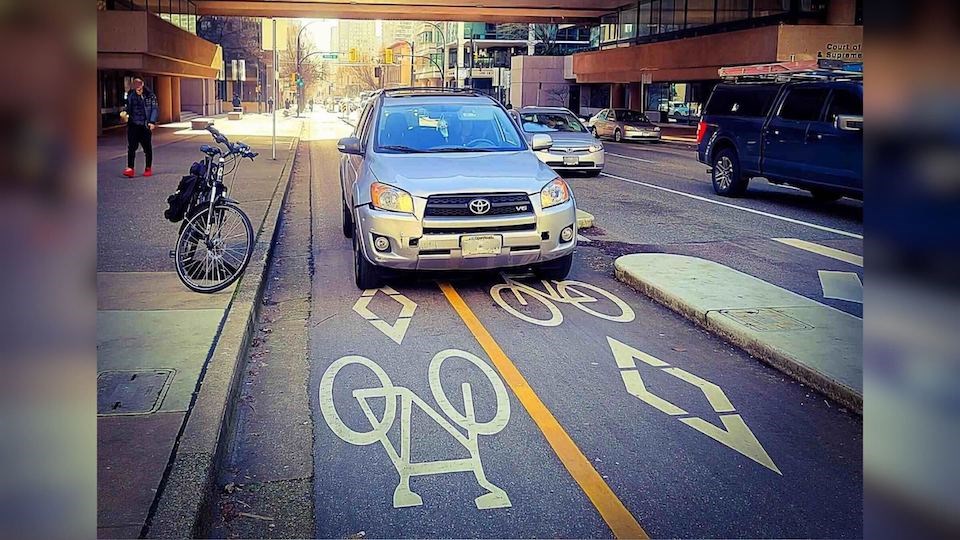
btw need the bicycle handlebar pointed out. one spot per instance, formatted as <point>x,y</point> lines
<point>233,148</point>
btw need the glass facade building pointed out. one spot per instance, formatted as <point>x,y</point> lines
<point>180,13</point>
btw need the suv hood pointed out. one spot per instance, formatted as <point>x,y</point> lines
<point>423,175</point>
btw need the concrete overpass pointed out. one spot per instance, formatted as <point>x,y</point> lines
<point>537,11</point>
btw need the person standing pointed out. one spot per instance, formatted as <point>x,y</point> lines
<point>141,114</point>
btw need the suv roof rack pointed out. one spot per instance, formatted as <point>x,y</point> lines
<point>430,89</point>
<point>808,70</point>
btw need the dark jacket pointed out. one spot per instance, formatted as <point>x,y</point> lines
<point>148,113</point>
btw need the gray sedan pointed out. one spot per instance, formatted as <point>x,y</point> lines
<point>574,147</point>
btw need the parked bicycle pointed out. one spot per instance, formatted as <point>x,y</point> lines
<point>216,238</point>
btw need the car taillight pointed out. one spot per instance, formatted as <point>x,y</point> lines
<point>701,130</point>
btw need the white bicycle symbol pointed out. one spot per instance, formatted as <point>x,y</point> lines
<point>402,495</point>
<point>566,292</point>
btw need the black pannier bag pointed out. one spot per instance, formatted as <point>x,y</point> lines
<point>179,200</point>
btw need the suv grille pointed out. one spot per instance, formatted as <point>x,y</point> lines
<point>459,205</point>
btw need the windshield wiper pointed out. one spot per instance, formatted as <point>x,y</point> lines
<point>404,149</point>
<point>462,149</point>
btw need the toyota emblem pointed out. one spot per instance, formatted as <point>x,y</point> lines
<point>479,206</point>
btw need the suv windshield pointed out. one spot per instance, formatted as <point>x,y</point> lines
<point>626,115</point>
<point>416,128</point>
<point>551,122</point>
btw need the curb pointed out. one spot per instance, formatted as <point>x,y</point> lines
<point>736,335</point>
<point>584,219</point>
<point>186,494</point>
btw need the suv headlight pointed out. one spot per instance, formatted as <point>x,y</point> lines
<point>554,193</point>
<point>595,147</point>
<point>389,198</point>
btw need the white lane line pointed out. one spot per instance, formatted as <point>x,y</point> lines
<point>737,207</point>
<point>629,157</point>
<point>833,253</point>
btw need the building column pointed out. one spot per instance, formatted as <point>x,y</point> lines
<point>616,95</point>
<point>635,100</point>
<point>174,99</point>
<point>842,12</point>
<point>164,91</point>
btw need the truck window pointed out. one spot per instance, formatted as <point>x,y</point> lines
<point>844,101</point>
<point>803,104</point>
<point>744,101</point>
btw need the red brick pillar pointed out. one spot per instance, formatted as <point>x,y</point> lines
<point>164,92</point>
<point>175,99</point>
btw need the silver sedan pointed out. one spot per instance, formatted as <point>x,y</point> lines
<point>574,147</point>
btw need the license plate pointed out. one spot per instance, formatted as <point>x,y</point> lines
<point>481,245</point>
<point>571,160</point>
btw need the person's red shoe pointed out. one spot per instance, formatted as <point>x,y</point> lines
<point>128,172</point>
<point>148,172</point>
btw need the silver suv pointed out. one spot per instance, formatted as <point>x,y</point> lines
<point>443,179</point>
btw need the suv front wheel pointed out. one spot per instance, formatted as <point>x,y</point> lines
<point>554,270</point>
<point>365,274</point>
<point>727,179</point>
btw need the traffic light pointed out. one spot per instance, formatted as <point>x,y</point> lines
<point>378,72</point>
<point>354,55</point>
<point>388,56</point>
<point>293,79</point>
<point>299,80</point>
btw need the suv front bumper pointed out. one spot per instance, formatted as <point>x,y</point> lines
<point>434,243</point>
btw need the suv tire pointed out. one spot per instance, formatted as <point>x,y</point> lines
<point>346,219</point>
<point>365,274</point>
<point>727,179</point>
<point>555,270</point>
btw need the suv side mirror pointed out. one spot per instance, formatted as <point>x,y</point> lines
<point>350,145</point>
<point>541,141</point>
<point>849,122</point>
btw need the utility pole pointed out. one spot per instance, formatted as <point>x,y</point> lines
<point>473,54</point>
<point>275,85</point>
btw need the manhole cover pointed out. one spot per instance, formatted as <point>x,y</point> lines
<point>132,391</point>
<point>765,320</point>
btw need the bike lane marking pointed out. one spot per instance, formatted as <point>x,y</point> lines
<point>611,509</point>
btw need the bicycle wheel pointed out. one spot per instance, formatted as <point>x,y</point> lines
<point>497,293</point>
<point>210,263</point>
<point>378,428</point>
<point>626,312</point>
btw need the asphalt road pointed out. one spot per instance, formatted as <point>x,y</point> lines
<point>442,406</point>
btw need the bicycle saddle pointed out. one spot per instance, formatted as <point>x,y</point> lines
<point>209,150</point>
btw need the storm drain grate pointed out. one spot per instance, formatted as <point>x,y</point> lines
<point>139,391</point>
<point>765,319</point>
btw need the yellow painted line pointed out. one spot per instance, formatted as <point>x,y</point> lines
<point>833,253</point>
<point>611,509</point>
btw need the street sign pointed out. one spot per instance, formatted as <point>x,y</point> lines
<point>330,56</point>
<point>267,34</point>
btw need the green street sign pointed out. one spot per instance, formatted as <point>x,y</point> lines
<point>330,56</point>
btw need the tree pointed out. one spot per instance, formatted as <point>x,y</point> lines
<point>546,37</point>
<point>364,77</point>
<point>556,96</point>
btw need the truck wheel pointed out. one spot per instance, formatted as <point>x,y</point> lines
<point>556,269</point>
<point>825,196</point>
<point>727,180</point>
<point>365,274</point>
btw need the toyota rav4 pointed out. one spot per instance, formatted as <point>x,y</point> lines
<point>443,180</point>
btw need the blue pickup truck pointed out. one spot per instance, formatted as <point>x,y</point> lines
<point>807,134</point>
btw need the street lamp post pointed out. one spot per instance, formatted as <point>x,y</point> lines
<point>443,54</point>
<point>298,62</point>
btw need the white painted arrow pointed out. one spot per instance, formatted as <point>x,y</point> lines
<point>841,285</point>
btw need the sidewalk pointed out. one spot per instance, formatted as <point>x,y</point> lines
<point>154,336</point>
<point>814,343</point>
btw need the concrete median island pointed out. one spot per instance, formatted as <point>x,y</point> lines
<point>816,344</point>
